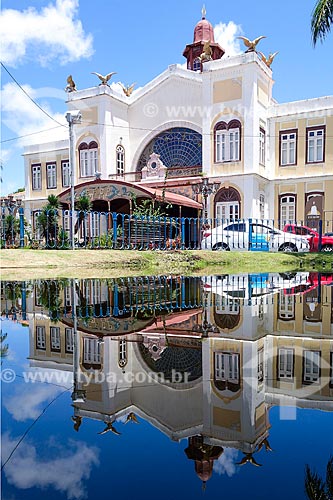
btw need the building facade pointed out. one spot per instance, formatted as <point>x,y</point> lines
<point>214,118</point>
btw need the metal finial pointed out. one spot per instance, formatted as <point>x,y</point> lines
<point>203,12</point>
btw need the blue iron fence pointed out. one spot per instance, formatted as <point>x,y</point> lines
<point>51,229</point>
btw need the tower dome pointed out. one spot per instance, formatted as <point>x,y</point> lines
<point>203,31</point>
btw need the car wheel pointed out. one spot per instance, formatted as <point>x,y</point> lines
<point>327,248</point>
<point>288,248</point>
<point>221,247</point>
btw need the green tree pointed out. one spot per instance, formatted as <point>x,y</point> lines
<point>48,220</point>
<point>3,346</point>
<point>11,228</point>
<point>322,19</point>
<point>317,488</point>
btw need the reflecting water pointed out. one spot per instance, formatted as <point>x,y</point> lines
<point>139,387</point>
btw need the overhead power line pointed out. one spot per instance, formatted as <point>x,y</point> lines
<point>29,97</point>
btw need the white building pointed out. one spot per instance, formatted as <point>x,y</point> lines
<point>216,118</point>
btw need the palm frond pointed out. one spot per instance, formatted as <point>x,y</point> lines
<point>322,18</point>
<point>329,478</point>
<point>314,485</point>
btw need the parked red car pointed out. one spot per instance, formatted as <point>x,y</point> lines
<point>313,237</point>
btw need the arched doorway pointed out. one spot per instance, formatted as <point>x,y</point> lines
<point>227,204</point>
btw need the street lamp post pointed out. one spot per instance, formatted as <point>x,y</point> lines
<point>205,189</point>
<point>205,327</point>
<point>72,117</point>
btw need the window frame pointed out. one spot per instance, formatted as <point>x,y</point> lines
<point>315,129</point>
<point>288,374</point>
<point>55,338</point>
<point>223,129</point>
<point>64,162</point>
<point>39,166</point>
<point>120,160</point>
<point>285,195</point>
<point>262,146</point>
<point>309,382</point>
<point>288,132</point>
<point>88,159</point>
<point>52,176</point>
<point>40,336</point>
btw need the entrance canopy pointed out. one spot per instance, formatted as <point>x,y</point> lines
<point>112,190</point>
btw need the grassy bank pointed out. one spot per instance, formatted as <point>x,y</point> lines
<point>28,264</point>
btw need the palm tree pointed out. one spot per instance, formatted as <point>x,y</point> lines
<point>322,18</point>
<point>315,487</point>
<point>83,205</point>
<point>48,220</point>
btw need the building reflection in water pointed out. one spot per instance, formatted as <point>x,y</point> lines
<point>201,359</point>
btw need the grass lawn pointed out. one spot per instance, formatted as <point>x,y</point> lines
<point>16,264</point>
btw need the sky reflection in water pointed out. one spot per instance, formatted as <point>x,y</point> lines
<point>248,345</point>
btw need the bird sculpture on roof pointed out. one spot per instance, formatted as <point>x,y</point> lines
<point>206,55</point>
<point>109,427</point>
<point>264,443</point>
<point>77,422</point>
<point>70,87</point>
<point>267,60</point>
<point>128,89</point>
<point>248,458</point>
<point>104,79</point>
<point>131,417</point>
<point>251,44</point>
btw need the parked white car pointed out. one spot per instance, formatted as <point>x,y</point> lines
<point>254,236</point>
<point>249,286</point>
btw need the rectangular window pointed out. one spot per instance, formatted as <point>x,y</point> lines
<point>311,367</point>
<point>40,338</point>
<point>288,147</point>
<point>315,140</point>
<point>262,146</point>
<point>91,351</point>
<point>227,145</point>
<point>51,175</point>
<point>55,338</point>
<point>65,174</point>
<point>260,365</point>
<point>69,340</point>
<point>285,364</point>
<point>36,177</point>
<point>227,367</point>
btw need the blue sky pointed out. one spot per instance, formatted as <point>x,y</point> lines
<point>45,41</point>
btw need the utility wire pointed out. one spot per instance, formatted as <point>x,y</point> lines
<point>30,427</point>
<point>31,99</point>
<point>27,135</point>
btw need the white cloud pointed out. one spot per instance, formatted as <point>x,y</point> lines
<point>65,473</point>
<point>31,398</point>
<point>23,117</point>
<point>225,464</point>
<point>45,35</point>
<point>225,35</point>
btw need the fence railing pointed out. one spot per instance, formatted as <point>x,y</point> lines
<point>51,229</point>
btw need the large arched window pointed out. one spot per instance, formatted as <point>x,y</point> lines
<point>227,137</point>
<point>177,147</point>
<point>88,159</point>
<point>120,160</point>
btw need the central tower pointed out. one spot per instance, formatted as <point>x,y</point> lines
<point>203,32</point>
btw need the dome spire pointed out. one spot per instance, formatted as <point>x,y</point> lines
<point>203,12</point>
